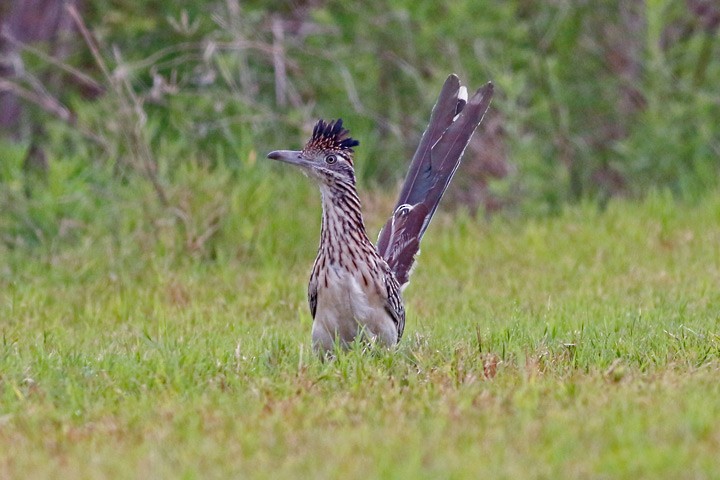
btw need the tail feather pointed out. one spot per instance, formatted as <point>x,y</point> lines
<point>452,122</point>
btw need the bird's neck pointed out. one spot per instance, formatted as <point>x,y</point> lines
<point>342,220</point>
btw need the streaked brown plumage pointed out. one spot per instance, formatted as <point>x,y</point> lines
<point>355,287</point>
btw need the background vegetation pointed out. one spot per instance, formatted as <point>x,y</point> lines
<point>564,317</point>
<point>593,101</point>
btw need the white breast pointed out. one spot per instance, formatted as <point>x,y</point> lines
<point>346,306</point>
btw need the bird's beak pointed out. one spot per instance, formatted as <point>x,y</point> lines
<point>288,156</point>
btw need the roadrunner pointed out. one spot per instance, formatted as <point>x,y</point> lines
<point>355,287</point>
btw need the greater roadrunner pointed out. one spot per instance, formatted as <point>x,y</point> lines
<point>355,287</point>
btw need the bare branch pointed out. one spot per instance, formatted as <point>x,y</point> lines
<point>279,62</point>
<point>77,75</point>
<point>130,108</point>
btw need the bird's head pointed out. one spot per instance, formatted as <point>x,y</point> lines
<point>327,156</point>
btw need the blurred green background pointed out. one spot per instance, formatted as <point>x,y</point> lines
<point>563,321</point>
<point>133,116</point>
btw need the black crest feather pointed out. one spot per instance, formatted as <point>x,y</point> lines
<point>331,135</point>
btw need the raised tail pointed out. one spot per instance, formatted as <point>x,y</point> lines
<point>453,120</point>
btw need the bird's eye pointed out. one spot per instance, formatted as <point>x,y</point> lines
<point>330,159</point>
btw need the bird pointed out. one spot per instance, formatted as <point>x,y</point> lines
<point>355,287</point>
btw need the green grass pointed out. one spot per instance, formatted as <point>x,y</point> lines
<point>581,346</point>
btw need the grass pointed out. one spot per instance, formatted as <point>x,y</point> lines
<point>581,346</point>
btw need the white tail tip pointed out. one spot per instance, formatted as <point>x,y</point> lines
<point>462,93</point>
